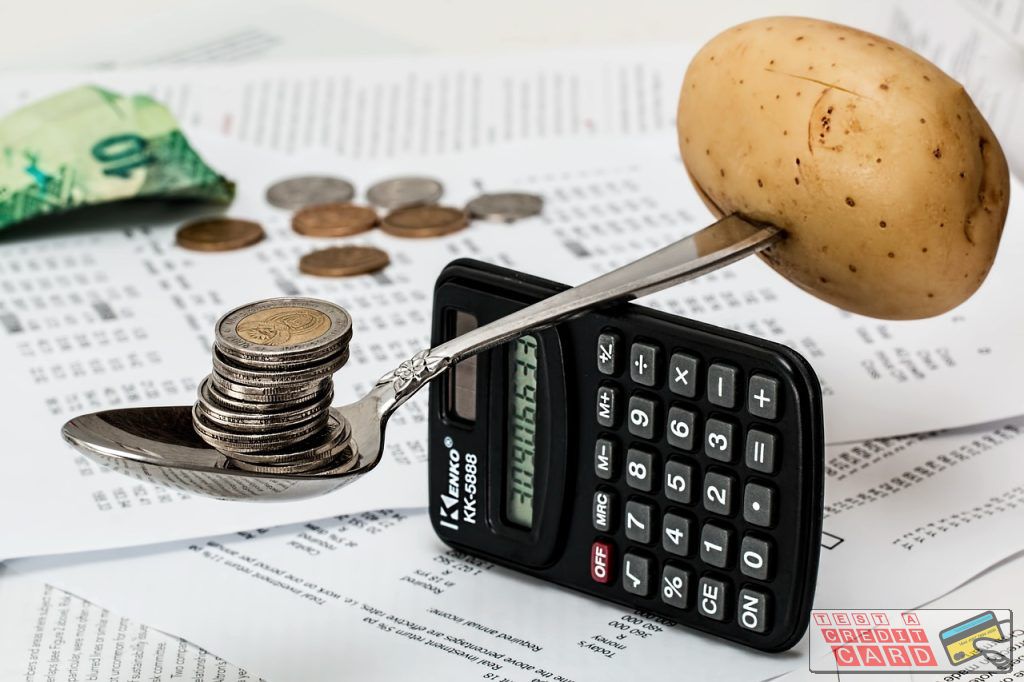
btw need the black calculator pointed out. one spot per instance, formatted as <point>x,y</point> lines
<point>636,456</point>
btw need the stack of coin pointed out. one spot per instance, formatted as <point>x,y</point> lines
<point>267,404</point>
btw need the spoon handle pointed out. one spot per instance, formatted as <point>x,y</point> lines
<point>713,247</point>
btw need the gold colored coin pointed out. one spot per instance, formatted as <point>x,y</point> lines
<point>343,261</point>
<point>284,326</point>
<point>424,221</point>
<point>219,234</point>
<point>333,220</point>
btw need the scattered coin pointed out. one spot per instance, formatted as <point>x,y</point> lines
<point>333,220</point>
<point>424,221</point>
<point>218,234</point>
<point>343,261</point>
<point>406,191</point>
<point>505,207</point>
<point>295,193</point>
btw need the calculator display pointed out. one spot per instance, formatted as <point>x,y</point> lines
<point>522,432</point>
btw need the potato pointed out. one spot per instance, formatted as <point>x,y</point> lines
<point>889,183</point>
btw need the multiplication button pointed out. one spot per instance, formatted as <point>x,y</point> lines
<point>682,375</point>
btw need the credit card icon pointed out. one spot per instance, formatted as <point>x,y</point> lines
<point>958,640</point>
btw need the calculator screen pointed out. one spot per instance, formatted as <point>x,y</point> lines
<point>522,431</point>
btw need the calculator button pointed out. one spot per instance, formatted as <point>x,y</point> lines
<point>601,562</point>
<point>718,492</point>
<point>608,353</point>
<point>676,533</point>
<point>640,470</point>
<point>639,519</point>
<point>758,504</point>
<point>755,557</point>
<point>763,396</point>
<point>722,385</point>
<point>636,574</point>
<point>682,375</point>
<point>607,405</point>
<point>711,598</point>
<point>604,458</point>
<point>715,545</point>
<point>680,428</point>
<point>642,417</point>
<point>604,509</point>
<point>760,451</point>
<point>752,610</point>
<point>718,440</point>
<point>643,364</point>
<point>675,586</point>
<point>678,482</point>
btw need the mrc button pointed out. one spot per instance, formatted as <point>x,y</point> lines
<point>601,562</point>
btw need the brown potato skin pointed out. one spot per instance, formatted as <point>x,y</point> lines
<point>891,186</point>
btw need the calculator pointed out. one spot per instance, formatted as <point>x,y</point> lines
<point>636,456</point>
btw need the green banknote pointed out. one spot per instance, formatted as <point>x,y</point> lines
<point>91,146</point>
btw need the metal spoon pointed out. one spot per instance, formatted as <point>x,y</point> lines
<point>159,445</point>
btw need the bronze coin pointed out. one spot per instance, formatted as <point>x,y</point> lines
<point>219,234</point>
<point>333,220</point>
<point>343,261</point>
<point>424,221</point>
<point>284,326</point>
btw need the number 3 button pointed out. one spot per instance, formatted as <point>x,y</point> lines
<point>718,440</point>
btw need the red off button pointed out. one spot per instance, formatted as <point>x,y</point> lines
<point>601,562</point>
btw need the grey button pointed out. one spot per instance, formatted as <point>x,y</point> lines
<point>718,440</point>
<point>763,396</point>
<point>608,353</point>
<point>636,574</point>
<point>643,364</point>
<point>680,428</point>
<point>718,492</point>
<point>755,558</point>
<point>640,470</point>
<point>639,519</point>
<point>641,417</point>
<point>715,545</point>
<point>675,586</point>
<point>752,610</point>
<point>760,451</point>
<point>676,534</point>
<point>722,385</point>
<point>759,504</point>
<point>604,510</point>
<point>682,375</point>
<point>678,482</point>
<point>604,458</point>
<point>607,405</point>
<point>712,598</point>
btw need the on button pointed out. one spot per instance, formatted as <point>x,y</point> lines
<point>601,562</point>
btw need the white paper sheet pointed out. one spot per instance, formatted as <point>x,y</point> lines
<point>377,595</point>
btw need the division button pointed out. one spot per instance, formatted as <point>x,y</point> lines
<point>722,385</point>
<point>640,470</point>
<point>759,504</point>
<point>760,451</point>
<point>718,492</point>
<point>752,610</point>
<point>718,440</point>
<point>715,545</point>
<point>601,562</point>
<point>682,375</point>
<point>639,521</point>
<point>636,574</point>
<point>678,482</point>
<point>712,598</point>
<point>755,558</point>
<point>675,586</point>
<point>676,534</point>
<point>608,353</point>
<point>680,428</point>
<point>642,417</point>
<point>604,508</point>
<point>763,396</point>
<point>643,364</point>
<point>605,456</point>
<point>607,406</point>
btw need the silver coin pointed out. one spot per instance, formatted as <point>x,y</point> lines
<point>287,329</point>
<point>345,461</point>
<point>505,207</point>
<point>210,393</point>
<point>322,446</point>
<point>229,441</point>
<point>282,377</point>
<point>307,190</point>
<point>248,420</point>
<point>407,191</point>
<point>264,394</point>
